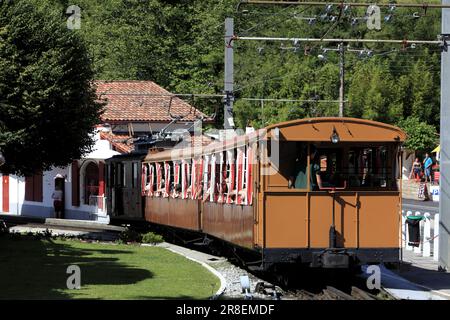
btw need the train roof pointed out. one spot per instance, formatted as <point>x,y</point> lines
<point>137,155</point>
<point>309,129</point>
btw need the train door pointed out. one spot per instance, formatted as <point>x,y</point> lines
<point>135,193</point>
<point>119,189</point>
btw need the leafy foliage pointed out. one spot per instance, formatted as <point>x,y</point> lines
<point>152,238</point>
<point>130,235</point>
<point>421,136</point>
<point>47,102</point>
<point>179,45</point>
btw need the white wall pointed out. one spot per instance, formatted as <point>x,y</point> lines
<point>18,205</point>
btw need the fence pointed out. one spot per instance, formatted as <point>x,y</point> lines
<point>429,234</point>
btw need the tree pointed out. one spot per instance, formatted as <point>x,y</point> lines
<point>47,102</point>
<point>421,136</point>
<point>179,45</point>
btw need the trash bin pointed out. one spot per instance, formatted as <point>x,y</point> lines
<point>413,223</point>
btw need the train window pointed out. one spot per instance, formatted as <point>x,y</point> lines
<point>326,168</point>
<point>166,180</point>
<point>206,176</point>
<point>134,174</point>
<point>248,176</point>
<point>292,165</point>
<point>176,179</point>
<point>144,177</point>
<point>369,167</point>
<point>356,168</point>
<point>220,178</point>
<point>120,177</point>
<point>124,175</point>
<point>151,186</point>
<point>159,179</point>
<point>230,176</point>
<point>171,178</point>
<point>196,178</point>
<point>217,177</point>
<point>185,179</point>
<point>240,175</point>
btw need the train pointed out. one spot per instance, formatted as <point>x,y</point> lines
<point>318,192</point>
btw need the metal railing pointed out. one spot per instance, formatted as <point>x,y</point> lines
<point>429,234</point>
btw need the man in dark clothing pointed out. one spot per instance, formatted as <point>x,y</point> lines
<point>299,178</point>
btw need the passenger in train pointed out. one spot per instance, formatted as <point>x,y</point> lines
<point>176,190</point>
<point>298,178</point>
<point>316,178</point>
<point>352,173</point>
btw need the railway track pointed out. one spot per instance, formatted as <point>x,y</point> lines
<point>288,284</point>
<point>327,293</point>
<point>319,286</point>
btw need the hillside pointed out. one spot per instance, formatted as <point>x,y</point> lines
<point>179,44</point>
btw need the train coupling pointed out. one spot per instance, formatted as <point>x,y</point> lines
<point>331,259</point>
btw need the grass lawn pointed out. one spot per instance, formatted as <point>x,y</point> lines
<point>36,269</point>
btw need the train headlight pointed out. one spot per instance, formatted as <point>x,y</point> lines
<point>335,136</point>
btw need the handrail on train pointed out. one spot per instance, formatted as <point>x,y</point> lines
<point>333,189</point>
<point>332,233</point>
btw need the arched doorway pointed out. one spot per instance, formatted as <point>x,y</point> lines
<point>90,182</point>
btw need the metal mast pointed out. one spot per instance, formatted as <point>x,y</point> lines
<point>342,79</point>
<point>229,74</point>
<point>444,203</point>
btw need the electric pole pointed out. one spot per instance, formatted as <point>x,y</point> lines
<point>229,76</point>
<point>342,78</point>
<point>444,201</point>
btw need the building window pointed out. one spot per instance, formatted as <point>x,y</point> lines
<point>33,188</point>
<point>90,183</point>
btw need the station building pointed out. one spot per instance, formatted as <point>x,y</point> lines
<point>132,109</point>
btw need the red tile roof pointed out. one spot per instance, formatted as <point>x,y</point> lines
<point>120,143</point>
<point>141,101</point>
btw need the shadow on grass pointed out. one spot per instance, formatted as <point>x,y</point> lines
<point>36,269</point>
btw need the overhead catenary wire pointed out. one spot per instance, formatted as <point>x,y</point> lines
<point>343,4</point>
<point>288,100</point>
<point>340,40</point>
<point>206,95</point>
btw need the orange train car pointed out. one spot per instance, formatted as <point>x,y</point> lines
<point>321,192</point>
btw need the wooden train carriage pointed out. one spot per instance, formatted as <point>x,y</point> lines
<point>124,198</point>
<point>322,191</point>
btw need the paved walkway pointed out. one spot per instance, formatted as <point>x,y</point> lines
<point>423,206</point>
<point>86,229</point>
<point>424,272</point>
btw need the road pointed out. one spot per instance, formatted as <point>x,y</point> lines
<point>423,206</point>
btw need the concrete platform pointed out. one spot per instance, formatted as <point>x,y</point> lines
<point>60,223</point>
<point>62,227</point>
<point>425,274</point>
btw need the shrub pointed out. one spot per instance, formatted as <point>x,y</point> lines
<point>130,236</point>
<point>151,237</point>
